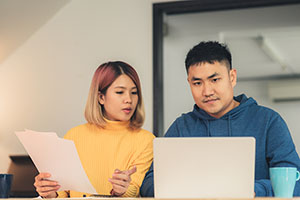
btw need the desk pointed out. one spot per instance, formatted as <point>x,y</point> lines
<point>87,198</point>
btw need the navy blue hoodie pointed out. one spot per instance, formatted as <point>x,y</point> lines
<point>274,145</point>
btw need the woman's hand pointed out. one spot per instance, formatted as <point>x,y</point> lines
<point>45,187</point>
<point>120,181</point>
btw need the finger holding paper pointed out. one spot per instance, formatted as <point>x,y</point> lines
<point>45,187</point>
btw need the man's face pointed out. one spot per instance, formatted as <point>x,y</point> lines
<point>212,87</point>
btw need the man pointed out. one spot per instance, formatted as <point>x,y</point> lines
<point>217,113</point>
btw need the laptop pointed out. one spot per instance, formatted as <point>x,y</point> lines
<point>204,167</point>
<point>24,172</point>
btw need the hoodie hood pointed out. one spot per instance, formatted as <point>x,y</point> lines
<point>244,101</point>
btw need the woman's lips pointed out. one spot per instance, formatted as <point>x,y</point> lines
<point>127,110</point>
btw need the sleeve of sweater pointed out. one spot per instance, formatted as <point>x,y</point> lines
<point>263,188</point>
<point>147,188</point>
<point>142,163</point>
<point>63,194</point>
<point>280,152</point>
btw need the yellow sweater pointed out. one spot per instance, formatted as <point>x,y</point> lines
<point>101,151</point>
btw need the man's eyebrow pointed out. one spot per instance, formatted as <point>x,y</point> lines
<point>209,77</point>
<point>196,79</point>
<point>213,75</point>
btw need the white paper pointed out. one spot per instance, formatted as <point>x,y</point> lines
<point>58,157</point>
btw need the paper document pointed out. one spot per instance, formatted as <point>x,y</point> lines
<point>58,157</point>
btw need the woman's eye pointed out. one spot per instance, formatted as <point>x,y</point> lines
<point>119,92</point>
<point>134,92</point>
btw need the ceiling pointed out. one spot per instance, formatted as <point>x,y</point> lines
<point>264,42</point>
<point>20,19</point>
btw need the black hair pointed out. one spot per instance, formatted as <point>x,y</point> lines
<point>210,52</point>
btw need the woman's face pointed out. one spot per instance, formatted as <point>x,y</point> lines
<point>120,100</point>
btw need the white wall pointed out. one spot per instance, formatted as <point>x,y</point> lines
<point>45,82</point>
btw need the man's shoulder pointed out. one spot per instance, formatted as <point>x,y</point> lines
<point>182,125</point>
<point>186,118</point>
<point>263,110</point>
<point>189,115</point>
<point>253,106</point>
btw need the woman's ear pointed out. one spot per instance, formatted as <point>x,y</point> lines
<point>101,98</point>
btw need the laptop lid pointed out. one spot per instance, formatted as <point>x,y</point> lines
<point>24,172</point>
<point>210,167</point>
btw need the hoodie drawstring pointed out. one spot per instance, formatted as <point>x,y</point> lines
<point>208,134</point>
<point>206,122</point>
<point>229,125</point>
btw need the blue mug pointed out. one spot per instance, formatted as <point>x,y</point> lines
<point>283,180</point>
<point>5,185</point>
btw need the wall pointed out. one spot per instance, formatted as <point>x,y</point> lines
<point>44,83</point>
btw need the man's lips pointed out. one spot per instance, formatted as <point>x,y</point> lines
<point>210,100</point>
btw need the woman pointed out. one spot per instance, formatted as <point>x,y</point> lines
<point>114,151</point>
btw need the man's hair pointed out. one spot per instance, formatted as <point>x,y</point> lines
<point>208,52</point>
<point>104,76</point>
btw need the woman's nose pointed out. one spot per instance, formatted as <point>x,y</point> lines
<point>128,98</point>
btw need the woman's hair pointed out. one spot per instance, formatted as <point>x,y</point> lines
<point>104,76</point>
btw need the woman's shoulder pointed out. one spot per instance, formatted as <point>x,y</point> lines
<point>146,134</point>
<point>78,130</point>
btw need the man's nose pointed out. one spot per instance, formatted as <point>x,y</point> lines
<point>208,89</point>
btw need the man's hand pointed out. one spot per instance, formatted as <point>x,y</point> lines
<point>120,181</point>
<point>46,188</point>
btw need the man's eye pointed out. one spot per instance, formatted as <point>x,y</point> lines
<point>197,83</point>
<point>215,79</point>
<point>119,92</point>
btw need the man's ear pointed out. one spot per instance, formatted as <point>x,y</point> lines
<point>101,98</point>
<point>233,77</point>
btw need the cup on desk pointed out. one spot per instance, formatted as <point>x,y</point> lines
<point>283,181</point>
<point>5,185</point>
